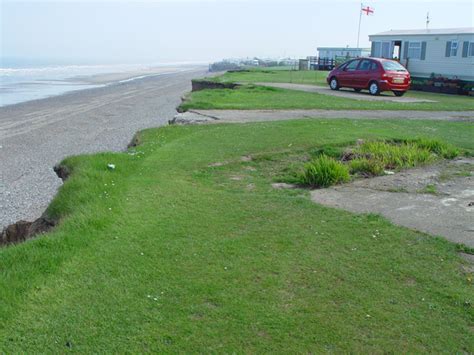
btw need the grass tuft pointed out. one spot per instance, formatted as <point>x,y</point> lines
<point>437,147</point>
<point>324,171</point>
<point>392,156</point>
<point>366,167</point>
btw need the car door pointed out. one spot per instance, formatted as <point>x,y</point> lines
<point>346,77</point>
<point>362,74</point>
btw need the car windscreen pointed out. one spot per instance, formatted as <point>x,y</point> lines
<point>393,66</point>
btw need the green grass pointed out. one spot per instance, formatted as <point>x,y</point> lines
<point>429,189</point>
<point>173,253</point>
<point>258,97</point>
<point>274,75</point>
<point>331,164</point>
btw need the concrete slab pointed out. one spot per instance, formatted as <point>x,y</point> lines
<point>242,116</point>
<point>400,198</point>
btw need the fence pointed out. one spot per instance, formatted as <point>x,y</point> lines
<point>317,63</point>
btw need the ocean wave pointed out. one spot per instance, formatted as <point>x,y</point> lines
<point>86,69</point>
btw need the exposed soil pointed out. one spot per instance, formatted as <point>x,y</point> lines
<point>202,84</point>
<point>23,230</point>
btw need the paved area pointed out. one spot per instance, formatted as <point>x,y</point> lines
<point>36,135</point>
<point>447,211</point>
<point>346,93</point>
<point>241,116</point>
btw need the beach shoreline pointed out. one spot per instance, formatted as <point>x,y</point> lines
<point>36,135</point>
<point>29,84</point>
<point>119,77</point>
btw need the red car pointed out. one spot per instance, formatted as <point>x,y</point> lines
<point>374,74</point>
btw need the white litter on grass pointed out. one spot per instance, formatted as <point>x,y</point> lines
<point>388,172</point>
<point>111,166</point>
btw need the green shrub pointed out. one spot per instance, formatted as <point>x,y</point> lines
<point>366,167</point>
<point>323,172</point>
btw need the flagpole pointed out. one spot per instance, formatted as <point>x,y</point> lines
<point>360,20</point>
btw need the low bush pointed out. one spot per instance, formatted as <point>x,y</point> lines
<point>323,172</point>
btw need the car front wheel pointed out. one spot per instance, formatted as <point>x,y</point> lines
<point>399,93</point>
<point>333,84</point>
<point>374,88</point>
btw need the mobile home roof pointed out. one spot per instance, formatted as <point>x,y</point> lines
<point>427,32</point>
<point>342,49</point>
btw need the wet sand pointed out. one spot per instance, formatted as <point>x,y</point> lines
<point>36,135</point>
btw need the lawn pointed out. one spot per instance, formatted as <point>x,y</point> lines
<point>274,75</point>
<point>260,97</point>
<point>249,97</point>
<point>186,247</point>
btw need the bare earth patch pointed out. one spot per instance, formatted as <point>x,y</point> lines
<point>445,209</point>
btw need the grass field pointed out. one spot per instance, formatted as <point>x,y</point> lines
<point>186,247</point>
<point>260,97</point>
<point>274,75</point>
<point>250,97</point>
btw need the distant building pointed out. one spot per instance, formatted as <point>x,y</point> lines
<point>288,62</point>
<point>444,52</point>
<point>342,52</point>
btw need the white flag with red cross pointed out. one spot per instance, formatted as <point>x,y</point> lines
<point>367,10</point>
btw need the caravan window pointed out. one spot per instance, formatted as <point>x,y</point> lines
<point>381,49</point>
<point>454,48</point>
<point>471,50</point>
<point>414,50</point>
<point>377,49</point>
<point>386,49</point>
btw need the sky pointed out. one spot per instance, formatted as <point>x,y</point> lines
<point>107,31</point>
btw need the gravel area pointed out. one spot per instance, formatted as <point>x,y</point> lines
<point>36,135</point>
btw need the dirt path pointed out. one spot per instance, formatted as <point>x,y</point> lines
<point>438,200</point>
<point>346,93</point>
<point>241,116</point>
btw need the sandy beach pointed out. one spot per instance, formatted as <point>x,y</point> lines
<point>36,135</point>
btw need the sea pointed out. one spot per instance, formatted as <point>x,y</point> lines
<point>21,82</point>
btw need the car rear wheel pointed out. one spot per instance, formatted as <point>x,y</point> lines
<point>333,84</point>
<point>399,93</point>
<point>374,88</point>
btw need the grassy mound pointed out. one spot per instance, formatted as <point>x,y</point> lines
<point>186,247</point>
